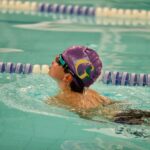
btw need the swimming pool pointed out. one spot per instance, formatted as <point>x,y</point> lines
<point>28,123</point>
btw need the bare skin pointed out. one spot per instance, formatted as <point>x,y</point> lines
<point>88,100</point>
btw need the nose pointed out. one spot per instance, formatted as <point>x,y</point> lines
<point>54,63</point>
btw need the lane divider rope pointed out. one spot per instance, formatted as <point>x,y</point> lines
<point>125,78</point>
<point>103,20</point>
<point>108,77</point>
<point>32,7</point>
<point>19,68</point>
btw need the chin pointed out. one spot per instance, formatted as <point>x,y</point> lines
<point>51,74</point>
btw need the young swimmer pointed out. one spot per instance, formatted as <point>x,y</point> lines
<point>75,70</point>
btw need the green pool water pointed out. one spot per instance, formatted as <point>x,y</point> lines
<point>26,122</point>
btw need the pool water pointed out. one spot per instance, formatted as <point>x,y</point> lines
<point>27,122</point>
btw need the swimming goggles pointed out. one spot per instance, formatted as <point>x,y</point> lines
<point>59,59</point>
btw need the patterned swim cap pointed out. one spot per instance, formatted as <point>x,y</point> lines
<point>84,62</point>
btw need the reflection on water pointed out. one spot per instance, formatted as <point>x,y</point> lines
<point>28,94</point>
<point>121,47</point>
<point>99,144</point>
<point>117,44</point>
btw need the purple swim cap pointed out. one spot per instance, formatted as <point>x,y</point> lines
<point>84,63</point>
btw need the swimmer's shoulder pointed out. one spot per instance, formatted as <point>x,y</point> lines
<point>102,99</point>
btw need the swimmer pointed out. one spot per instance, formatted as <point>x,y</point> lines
<point>75,70</point>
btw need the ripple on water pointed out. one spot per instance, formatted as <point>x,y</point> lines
<point>29,93</point>
<point>10,50</point>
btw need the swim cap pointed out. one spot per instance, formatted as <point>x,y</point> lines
<point>84,63</point>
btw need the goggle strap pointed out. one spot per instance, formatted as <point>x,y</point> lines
<point>63,63</point>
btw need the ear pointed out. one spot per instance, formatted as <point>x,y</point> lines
<point>67,78</point>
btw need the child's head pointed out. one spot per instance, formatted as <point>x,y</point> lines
<point>82,63</point>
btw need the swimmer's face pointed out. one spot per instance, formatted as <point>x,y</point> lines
<point>56,71</point>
